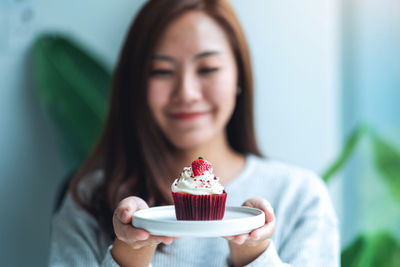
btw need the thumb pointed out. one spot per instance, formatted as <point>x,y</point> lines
<point>127,207</point>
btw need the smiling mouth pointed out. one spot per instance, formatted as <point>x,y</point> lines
<point>188,116</point>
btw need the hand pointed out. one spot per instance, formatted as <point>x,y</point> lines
<point>260,234</point>
<point>133,246</point>
<point>247,247</point>
<point>124,230</point>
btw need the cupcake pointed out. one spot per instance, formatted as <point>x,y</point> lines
<point>198,194</point>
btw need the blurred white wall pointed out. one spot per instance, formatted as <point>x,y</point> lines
<point>294,48</point>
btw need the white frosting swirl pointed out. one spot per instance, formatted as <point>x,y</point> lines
<point>205,184</point>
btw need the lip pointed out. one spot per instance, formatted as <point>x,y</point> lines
<point>188,115</point>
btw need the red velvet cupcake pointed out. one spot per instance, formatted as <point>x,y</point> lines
<point>198,194</point>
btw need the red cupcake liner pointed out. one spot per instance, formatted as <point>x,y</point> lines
<point>199,207</point>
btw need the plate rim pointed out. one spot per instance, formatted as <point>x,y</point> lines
<point>193,221</point>
<point>255,215</point>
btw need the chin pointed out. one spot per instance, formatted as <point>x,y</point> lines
<point>190,141</point>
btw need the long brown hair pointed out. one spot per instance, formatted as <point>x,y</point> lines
<point>132,151</point>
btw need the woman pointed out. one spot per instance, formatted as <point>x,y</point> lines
<point>182,89</point>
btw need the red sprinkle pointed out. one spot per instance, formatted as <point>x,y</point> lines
<point>215,178</point>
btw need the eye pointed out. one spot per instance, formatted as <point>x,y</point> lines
<point>207,70</point>
<point>161,72</point>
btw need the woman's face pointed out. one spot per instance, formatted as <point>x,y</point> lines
<point>193,81</point>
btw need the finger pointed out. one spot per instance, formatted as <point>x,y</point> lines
<point>240,239</point>
<point>126,208</point>
<point>263,205</point>
<point>249,203</point>
<point>267,230</point>
<point>164,239</point>
<point>152,240</point>
<point>264,232</point>
<point>269,213</point>
<point>255,202</point>
<point>129,234</point>
<point>145,243</point>
<point>256,234</point>
<point>168,241</point>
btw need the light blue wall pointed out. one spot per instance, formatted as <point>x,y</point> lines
<point>30,165</point>
<point>371,94</point>
<point>295,53</point>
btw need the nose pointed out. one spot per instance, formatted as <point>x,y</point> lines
<point>187,89</point>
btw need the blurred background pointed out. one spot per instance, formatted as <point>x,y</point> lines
<point>327,76</point>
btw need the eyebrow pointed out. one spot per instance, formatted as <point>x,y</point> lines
<point>207,53</point>
<point>164,58</point>
<point>198,56</point>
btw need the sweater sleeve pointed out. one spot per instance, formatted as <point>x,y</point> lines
<point>75,239</point>
<point>311,237</point>
<point>315,250</point>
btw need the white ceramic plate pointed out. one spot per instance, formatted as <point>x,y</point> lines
<point>162,221</point>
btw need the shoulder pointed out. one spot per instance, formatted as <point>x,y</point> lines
<point>283,173</point>
<point>89,183</point>
<point>76,235</point>
<point>70,211</point>
<point>292,187</point>
<point>70,207</point>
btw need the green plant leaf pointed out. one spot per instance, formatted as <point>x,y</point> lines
<point>346,152</point>
<point>73,89</point>
<point>387,161</point>
<point>383,251</point>
<point>351,256</point>
<point>379,249</point>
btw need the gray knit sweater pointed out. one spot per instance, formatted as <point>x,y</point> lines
<point>306,232</point>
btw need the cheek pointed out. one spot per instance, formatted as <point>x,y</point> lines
<point>223,89</point>
<point>157,95</point>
